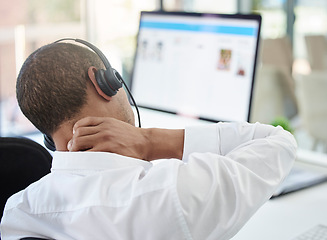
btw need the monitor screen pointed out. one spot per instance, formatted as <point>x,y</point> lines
<point>196,64</point>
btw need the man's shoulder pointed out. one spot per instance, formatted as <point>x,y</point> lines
<point>24,199</point>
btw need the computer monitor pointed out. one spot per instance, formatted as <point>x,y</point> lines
<point>196,64</point>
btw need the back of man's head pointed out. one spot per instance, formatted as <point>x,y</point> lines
<point>51,86</point>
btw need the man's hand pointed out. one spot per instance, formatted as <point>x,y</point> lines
<point>110,135</point>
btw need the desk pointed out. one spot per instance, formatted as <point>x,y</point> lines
<point>290,215</point>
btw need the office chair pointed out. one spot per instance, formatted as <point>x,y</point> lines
<point>32,238</point>
<point>312,97</point>
<point>22,162</point>
<point>316,46</point>
<point>274,87</point>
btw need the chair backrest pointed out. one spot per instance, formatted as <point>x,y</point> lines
<point>316,46</point>
<point>33,238</point>
<point>277,52</point>
<point>273,96</point>
<point>274,90</point>
<point>22,162</point>
<point>312,96</point>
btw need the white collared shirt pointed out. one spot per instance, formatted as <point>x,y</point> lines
<point>228,171</point>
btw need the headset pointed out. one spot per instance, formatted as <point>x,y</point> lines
<point>109,81</point>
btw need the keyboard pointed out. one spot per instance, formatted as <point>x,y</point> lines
<point>298,179</point>
<point>318,232</point>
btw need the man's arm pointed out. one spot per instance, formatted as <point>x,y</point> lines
<point>231,170</point>
<point>111,135</point>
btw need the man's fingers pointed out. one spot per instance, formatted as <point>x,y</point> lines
<point>89,138</point>
<point>87,121</point>
<point>85,131</point>
<point>80,143</point>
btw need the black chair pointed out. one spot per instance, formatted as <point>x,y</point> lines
<point>33,238</point>
<point>22,162</point>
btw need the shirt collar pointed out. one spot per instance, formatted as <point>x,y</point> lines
<point>94,161</point>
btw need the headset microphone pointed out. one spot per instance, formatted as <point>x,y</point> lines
<point>109,81</point>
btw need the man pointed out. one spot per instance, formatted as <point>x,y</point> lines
<point>210,180</point>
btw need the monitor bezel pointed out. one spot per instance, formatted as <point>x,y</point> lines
<point>255,17</point>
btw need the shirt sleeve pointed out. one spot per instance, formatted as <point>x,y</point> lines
<point>229,171</point>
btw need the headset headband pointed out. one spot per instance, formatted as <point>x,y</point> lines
<point>48,141</point>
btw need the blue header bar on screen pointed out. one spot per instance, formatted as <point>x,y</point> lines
<point>221,29</point>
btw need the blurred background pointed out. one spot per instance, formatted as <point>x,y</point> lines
<point>291,80</point>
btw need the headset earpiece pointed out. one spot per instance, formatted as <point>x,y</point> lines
<point>107,82</point>
<point>112,81</point>
<point>49,143</point>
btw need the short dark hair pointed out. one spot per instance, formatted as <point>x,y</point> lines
<point>51,85</point>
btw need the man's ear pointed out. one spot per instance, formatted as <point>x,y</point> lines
<point>91,72</point>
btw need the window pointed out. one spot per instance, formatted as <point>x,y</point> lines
<point>212,6</point>
<point>274,19</point>
<point>113,26</point>
<point>24,26</point>
<point>310,19</point>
